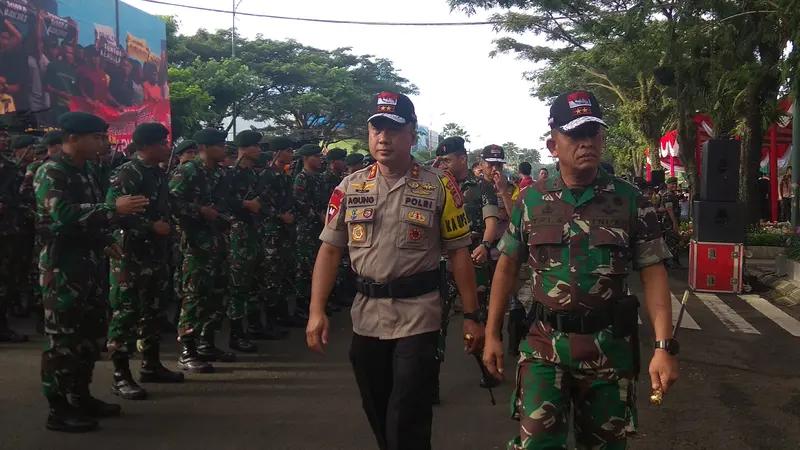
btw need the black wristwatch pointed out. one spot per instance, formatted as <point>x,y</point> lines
<point>671,346</point>
<point>487,244</point>
<point>474,316</point>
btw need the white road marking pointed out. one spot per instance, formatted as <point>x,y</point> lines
<point>774,313</point>
<point>687,321</point>
<point>728,316</point>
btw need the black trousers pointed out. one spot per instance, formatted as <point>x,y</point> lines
<point>396,379</point>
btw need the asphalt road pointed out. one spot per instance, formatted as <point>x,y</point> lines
<point>739,389</point>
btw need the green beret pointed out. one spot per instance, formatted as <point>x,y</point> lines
<point>672,180</point>
<point>52,138</point>
<point>454,144</point>
<point>210,136</point>
<point>39,149</point>
<point>309,150</point>
<point>280,143</point>
<point>185,146</point>
<point>22,141</point>
<point>354,159</point>
<point>336,154</point>
<point>78,122</point>
<point>150,133</point>
<point>248,138</point>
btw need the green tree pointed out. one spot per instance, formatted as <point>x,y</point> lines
<point>453,129</point>
<point>516,155</point>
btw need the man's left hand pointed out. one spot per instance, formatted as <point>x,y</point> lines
<point>480,254</point>
<point>663,370</point>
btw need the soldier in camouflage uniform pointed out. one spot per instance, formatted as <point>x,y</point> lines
<point>277,272</point>
<point>244,242</point>
<point>74,224</point>
<point>185,151</point>
<point>354,162</point>
<point>202,232</point>
<point>139,281</point>
<point>670,210</point>
<point>23,286</point>
<point>582,231</point>
<point>9,230</point>
<point>329,179</point>
<point>480,205</point>
<point>310,218</point>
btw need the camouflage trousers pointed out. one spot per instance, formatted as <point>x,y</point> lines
<point>243,252</point>
<point>276,274</point>
<point>308,244</point>
<point>202,284</point>
<point>74,321</point>
<point>548,386</point>
<point>138,295</point>
<point>483,281</point>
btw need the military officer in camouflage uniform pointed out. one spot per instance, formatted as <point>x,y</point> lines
<point>185,151</point>
<point>74,223</point>
<point>480,205</point>
<point>582,231</point>
<point>670,210</point>
<point>202,231</point>
<point>23,147</point>
<point>354,162</point>
<point>277,265</point>
<point>139,281</point>
<point>329,179</point>
<point>310,218</point>
<point>245,241</point>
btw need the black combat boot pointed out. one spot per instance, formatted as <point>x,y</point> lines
<point>255,329</point>
<point>123,384</point>
<point>9,335</point>
<point>94,407</point>
<point>152,371</point>
<point>238,339</point>
<point>208,351</point>
<point>189,360</point>
<point>288,320</point>
<point>66,418</point>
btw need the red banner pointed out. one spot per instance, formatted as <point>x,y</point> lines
<point>123,121</point>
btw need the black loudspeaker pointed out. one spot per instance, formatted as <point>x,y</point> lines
<point>719,180</point>
<point>719,222</point>
<point>657,178</point>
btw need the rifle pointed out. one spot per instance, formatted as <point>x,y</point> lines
<point>162,205</point>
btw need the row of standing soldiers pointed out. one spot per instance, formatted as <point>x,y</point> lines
<point>113,234</point>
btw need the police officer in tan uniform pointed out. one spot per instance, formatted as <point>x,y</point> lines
<point>395,217</point>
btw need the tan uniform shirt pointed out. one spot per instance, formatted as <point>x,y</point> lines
<point>393,232</point>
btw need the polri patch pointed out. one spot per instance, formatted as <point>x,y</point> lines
<point>416,216</point>
<point>415,234</point>
<point>419,203</point>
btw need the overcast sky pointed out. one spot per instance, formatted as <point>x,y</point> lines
<point>457,80</point>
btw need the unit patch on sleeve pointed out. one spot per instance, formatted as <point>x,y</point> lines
<point>335,204</point>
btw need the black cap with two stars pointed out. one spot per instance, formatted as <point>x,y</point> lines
<point>79,122</point>
<point>493,154</point>
<point>572,110</point>
<point>453,144</point>
<point>210,136</point>
<point>248,138</point>
<point>396,107</point>
<point>151,133</point>
<point>336,154</point>
<point>354,159</point>
<point>309,150</point>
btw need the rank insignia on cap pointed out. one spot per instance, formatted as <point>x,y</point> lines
<point>358,233</point>
<point>415,234</point>
<point>578,99</point>
<point>581,111</point>
<point>387,98</point>
<point>386,108</point>
<point>416,216</point>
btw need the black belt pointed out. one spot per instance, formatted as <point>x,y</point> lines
<point>405,287</point>
<point>578,322</point>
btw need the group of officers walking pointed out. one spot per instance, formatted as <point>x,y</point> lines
<point>581,232</point>
<point>231,231</point>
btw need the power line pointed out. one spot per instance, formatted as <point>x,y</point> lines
<point>345,22</point>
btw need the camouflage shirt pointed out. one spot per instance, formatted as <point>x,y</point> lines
<point>242,185</point>
<point>189,189</point>
<point>670,201</point>
<point>480,202</point>
<point>328,181</point>
<point>26,193</point>
<point>308,199</point>
<point>70,206</point>
<point>10,181</point>
<point>581,250</point>
<point>278,195</point>
<point>137,178</point>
